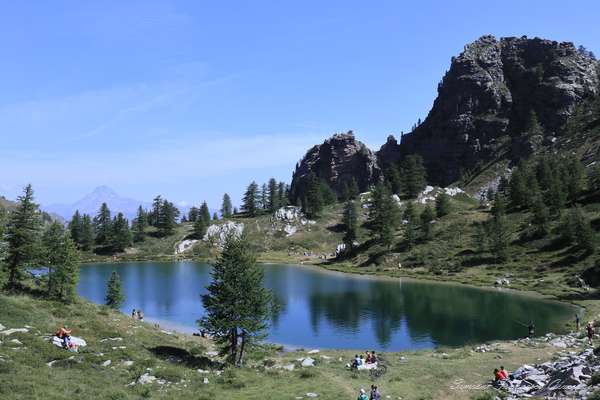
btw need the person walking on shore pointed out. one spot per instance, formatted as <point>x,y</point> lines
<point>590,332</point>
<point>577,322</point>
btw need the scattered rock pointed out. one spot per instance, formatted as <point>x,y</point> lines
<point>212,353</point>
<point>216,234</point>
<point>2,327</point>
<point>205,381</point>
<point>8,332</point>
<point>308,362</point>
<point>314,351</point>
<point>289,367</point>
<point>106,363</point>
<point>128,363</point>
<point>310,394</point>
<point>146,378</point>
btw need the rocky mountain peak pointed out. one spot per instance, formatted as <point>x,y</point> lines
<point>336,161</point>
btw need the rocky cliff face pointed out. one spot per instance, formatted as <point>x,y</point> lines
<point>486,99</point>
<point>336,161</point>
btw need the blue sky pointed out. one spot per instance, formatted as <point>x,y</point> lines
<point>193,99</point>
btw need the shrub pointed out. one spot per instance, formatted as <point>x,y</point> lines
<point>307,374</point>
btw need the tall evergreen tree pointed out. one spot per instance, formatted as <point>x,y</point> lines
<point>442,204</point>
<point>215,217</point>
<point>518,189</point>
<point>114,292</point>
<point>237,305</point>
<point>556,195</point>
<point>427,217</point>
<point>75,227</point>
<point>394,180</point>
<point>273,202</point>
<point>250,202</point>
<point>121,236</point>
<point>350,221</point>
<point>154,216</point>
<point>313,200</point>
<point>139,225</point>
<point>23,233</point>
<point>168,218</point>
<point>353,190</point>
<point>193,214</point>
<point>541,216</point>
<point>87,233</point>
<point>199,228</point>
<point>499,230</point>
<point>577,230</point>
<point>414,176</point>
<point>411,225</point>
<point>327,194</point>
<point>575,180</point>
<point>226,207</point>
<point>205,213</point>
<point>61,257</point>
<point>264,197</point>
<point>282,197</point>
<point>383,215</point>
<point>102,226</point>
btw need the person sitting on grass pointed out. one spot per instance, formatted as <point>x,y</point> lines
<point>363,395</point>
<point>355,362</point>
<point>503,372</point>
<point>64,334</point>
<point>375,395</point>
<point>373,357</point>
<point>498,376</point>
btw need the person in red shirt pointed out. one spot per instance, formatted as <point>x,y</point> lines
<point>64,334</point>
<point>503,372</point>
<point>498,376</point>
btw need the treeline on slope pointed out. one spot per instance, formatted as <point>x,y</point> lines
<point>267,198</point>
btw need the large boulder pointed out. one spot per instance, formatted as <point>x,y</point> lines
<point>336,162</point>
<point>216,234</point>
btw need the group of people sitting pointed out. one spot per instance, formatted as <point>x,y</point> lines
<point>137,314</point>
<point>500,374</point>
<point>364,362</point>
<point>373,395</point>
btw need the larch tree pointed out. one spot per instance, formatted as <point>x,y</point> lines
<point>237,305</point>
<point>23,234</point>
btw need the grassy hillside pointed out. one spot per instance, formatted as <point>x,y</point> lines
<point>120,350</point>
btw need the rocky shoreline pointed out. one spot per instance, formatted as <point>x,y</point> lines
<point>574,374</point>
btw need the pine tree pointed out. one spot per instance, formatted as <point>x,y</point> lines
<point>282,197</point>
<point>250,201</point>
<point>350,220</point>
<point>75,227</point>
<point>533,126</point>
<point>499,206</point>
<point>22,237</point>
<point>235,211</point>
<point>414,177</point>
<point>264,196</point>
<point>62,259</point>
<point>518,189</point>
<point>411,226</point>
<point>556,195</point>
<point>215,217</point>
<point>168,215</point>
<point>499,230</point>
<point>577,229</point>
<point>394,180</point>
<point>199,228</point>
<point>139,225</point>
<point>442,205</point>
<point>327,194</point>
<point>353,190</point>
<point>313,200</point>
<point>121,236</point>
<point>87,233</point>
<point>237,305</point>
<point>427,217</point>
<point>3,223</point>
<point>541,216</point>
<point>226,207</point>
<point>383,215</point>
<point>205,213</point>
<point>154,216</point>
<point>114,293</point>
<point>102,226</point>
<point>273,202</point>
<point>575,180</point>
<point>193,214</point>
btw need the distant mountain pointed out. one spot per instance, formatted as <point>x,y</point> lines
<point>90,204</point>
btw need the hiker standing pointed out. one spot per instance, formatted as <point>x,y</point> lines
<point>375,395</point>
<point>577,322</point>
<point>134,314</point>
<point>363,395</point>
<point>590,332</point>
<point>140,315</point>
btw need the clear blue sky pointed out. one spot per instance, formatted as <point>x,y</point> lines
<point>193,99</point>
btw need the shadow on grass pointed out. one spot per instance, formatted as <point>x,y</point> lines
<point>338,228</point>
<point>181,356</point>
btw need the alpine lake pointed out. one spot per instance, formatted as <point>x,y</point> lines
<point>323,309</point>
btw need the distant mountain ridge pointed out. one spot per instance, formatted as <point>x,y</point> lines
<point>90,204</point>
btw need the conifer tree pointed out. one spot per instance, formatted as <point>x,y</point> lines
<point>168,218</point>
<point>594,178</point>
<point>499,230</point>
<point>61,256</point>
<point>121,236</point>
<point>383,215</point>
<point>235,211</point>
<point>23,234</point>
<point>414,177</point>
<point>518,189</point>
<point>575,180</point>
<point>327,194</point>
<point>226,207</point>
<point>353,190</point>
<point>282,197</point>
<point>215,217</point>
<point>87,233</point>
<point>442,205</point>
<point>199,228</point>
<point>541,216</point>
<point>193,214</point>
<point>102,226</point>
<point>313,200</point>
<point>533,126</point>
<point>556,195</point>
<point>411,226</point>
<point>237,305</point>
<point>139,225</point>
<point>75,227</point>
<point>427,217</point>
<point>114,293</point>
<point>392,177</point>
<point>577,230</point>
<point>273,201</point>
<point>264,197</point>
<point>499,206</point>
<point>250,200</point>
<point>350,221</point>
<point>205,213</point>
<point>3,223</point>
<point>154,216</point>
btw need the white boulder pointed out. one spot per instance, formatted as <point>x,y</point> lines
<point>216,234</point>
<point>185,245</point>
